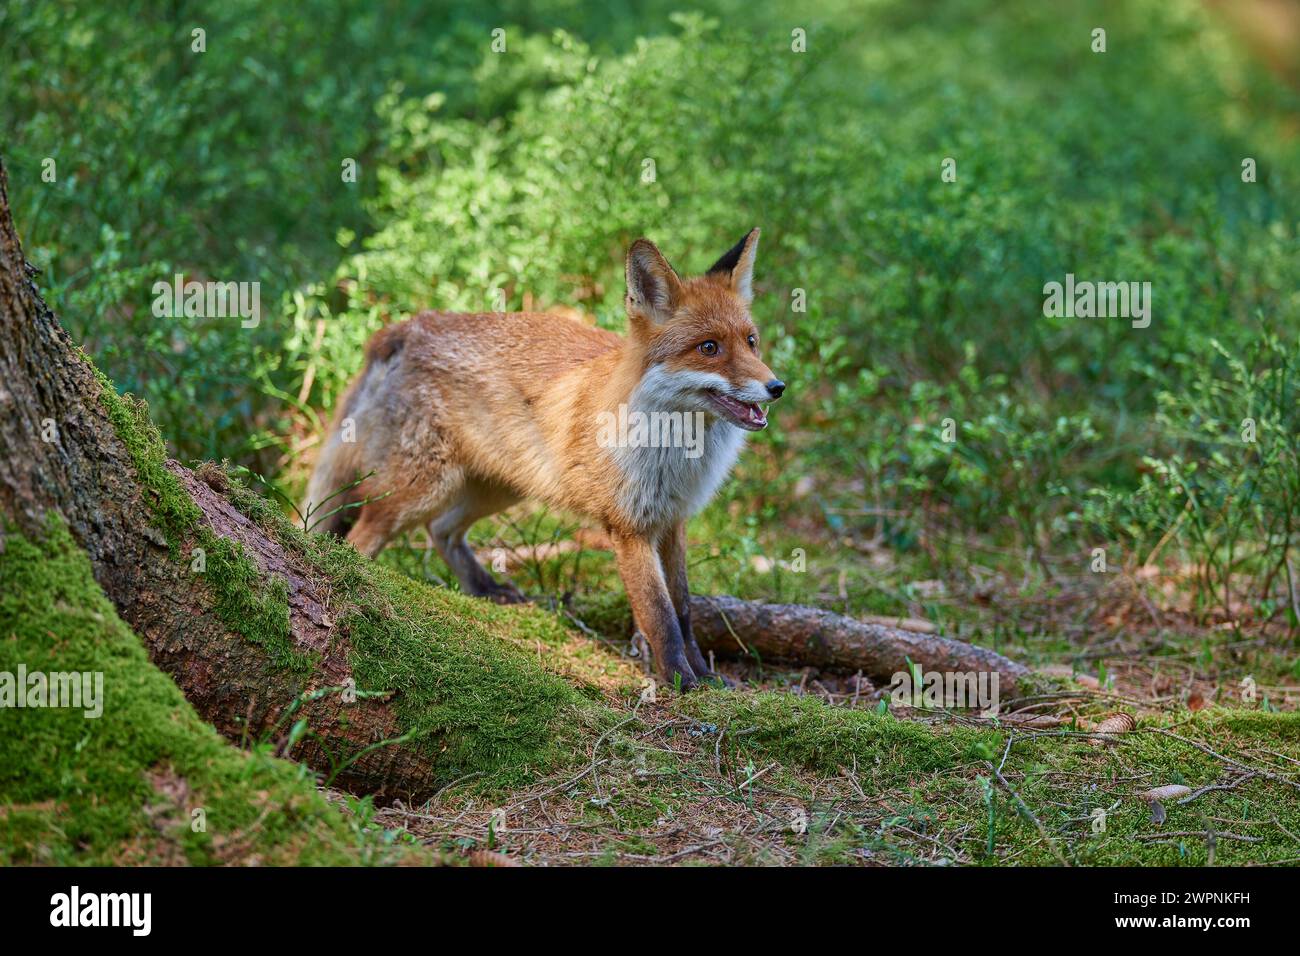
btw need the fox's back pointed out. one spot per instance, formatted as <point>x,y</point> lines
<point>527,347</point>
<point>500,391</point>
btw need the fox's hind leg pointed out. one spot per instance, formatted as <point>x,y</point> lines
<point>476,499</point>
<point>373,530</point>
<point>388,511</point>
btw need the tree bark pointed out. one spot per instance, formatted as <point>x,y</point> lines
<point>60,453</point>
<point>794,634</point>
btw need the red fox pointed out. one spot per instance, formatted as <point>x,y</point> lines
<point>456,417</point>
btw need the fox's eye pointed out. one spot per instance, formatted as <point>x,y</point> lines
<point>708,348</point>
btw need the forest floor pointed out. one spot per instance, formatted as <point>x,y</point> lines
<point>792,767</point>
<point>797,766</point>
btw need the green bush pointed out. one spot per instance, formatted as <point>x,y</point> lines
<point>1227,489</point>
<point>838,154</point>
<point>224,164</point>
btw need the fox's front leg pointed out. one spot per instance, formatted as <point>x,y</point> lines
<point>652,607</point>
<point>672,555</point>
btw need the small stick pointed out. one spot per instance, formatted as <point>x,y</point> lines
<point>1222,786</point>
<point>1024,807</point>
<point>1218,834</point>
<point>1228,760</point>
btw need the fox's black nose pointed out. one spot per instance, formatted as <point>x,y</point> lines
<point>775,387</point>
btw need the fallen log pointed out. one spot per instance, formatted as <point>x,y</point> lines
<point>806,636</point>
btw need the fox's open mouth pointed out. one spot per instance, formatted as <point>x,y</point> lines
<point>747,415</point>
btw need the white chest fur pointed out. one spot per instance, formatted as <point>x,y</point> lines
<point>665,484</point>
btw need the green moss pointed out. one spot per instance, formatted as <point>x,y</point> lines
<point>1065,779</point>
<point>605,612</point>
<point>803,731</point>
<point>247,601</point>
<point>123,787</point>
<point>252,603</point>
<point>468,680</point>
<point>174,512</point>
<point>1282,728</point>
<point>258,508</point>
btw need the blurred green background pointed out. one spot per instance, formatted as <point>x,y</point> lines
<point>523,171</point>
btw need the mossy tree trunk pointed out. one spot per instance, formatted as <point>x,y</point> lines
<point>62,451</point>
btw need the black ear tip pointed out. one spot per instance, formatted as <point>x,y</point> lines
<point>731,257</point>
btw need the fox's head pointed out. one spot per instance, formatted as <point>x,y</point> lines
<point>698,343</point>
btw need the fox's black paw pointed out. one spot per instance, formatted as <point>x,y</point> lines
<point>679,676</point>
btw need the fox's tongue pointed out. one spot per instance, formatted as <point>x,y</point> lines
<point>748,413</point>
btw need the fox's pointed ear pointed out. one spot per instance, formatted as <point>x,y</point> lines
<point>737,266</point>
<point>653,287</point>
